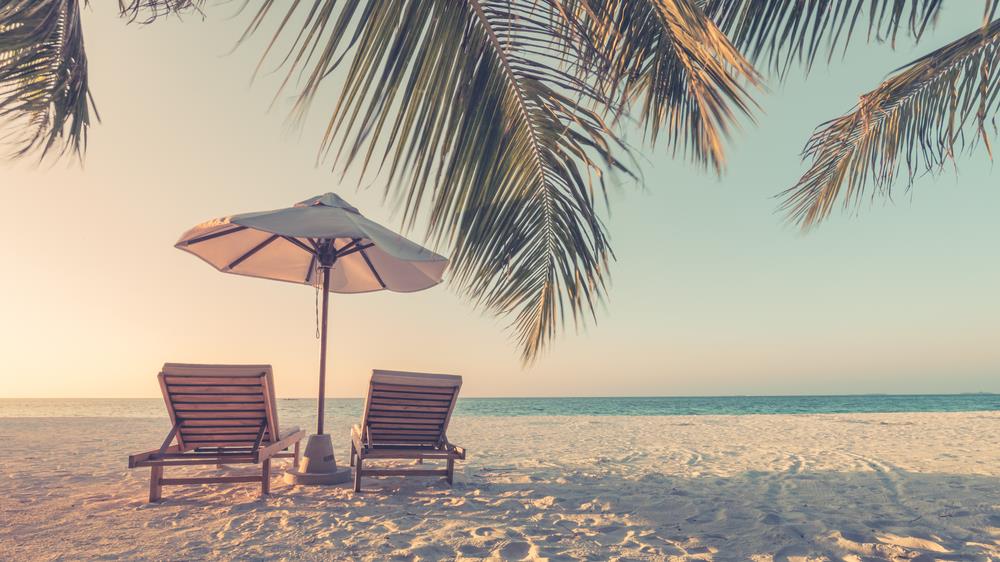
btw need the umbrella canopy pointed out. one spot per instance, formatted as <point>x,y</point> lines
<point>322,241</point>
<point>294,244</point>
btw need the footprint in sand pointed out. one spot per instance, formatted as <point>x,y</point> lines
<point>516,550</point>
<point>473,551</point>
<point>485,532</point>
<point>611,534</point>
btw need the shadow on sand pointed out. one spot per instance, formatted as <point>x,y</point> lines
<point>511,513</point>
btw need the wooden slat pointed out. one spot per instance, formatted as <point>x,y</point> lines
<point>403,402</point>
<point>377,418</point>
<point>203,370</point>
<point>406,452</point>
<point>198,462</point>
<point>225,454</point>
<point>241,414</point>
<point>223,431</point>
<point>202,380</point>
<point>417,417</point>
<point>201,443</point>
<point>404,431</point>
<point>444,391</point>
<point>398,472</point>
<point>217,422</point>
<point>217,398</point>
<point>176,389</point>
<point>208,480</point>
<point>203,407</point>
<point>387,451</point>
<point>205,437</point>
<point>216,439</point>
<point>391,426</point>
<point>408,424</point>
<point>215,430</point>
<point>374,419</point>
<point>393,433</point>
<point>224,450</point>
<point>411,397</point>
<point>382,376</point>
<point>396,406</point>
<point>378,410</point>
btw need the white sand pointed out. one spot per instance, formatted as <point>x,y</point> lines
<point>914,487</point>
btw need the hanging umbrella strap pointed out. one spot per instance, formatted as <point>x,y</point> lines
<point>317,310</point>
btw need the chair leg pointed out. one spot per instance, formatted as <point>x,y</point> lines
<point>451,471</point>
<point>298,455</point>
<point>265,477</point>
<point>354,453</point>
<point>357,474</point>
<point>155,489</point>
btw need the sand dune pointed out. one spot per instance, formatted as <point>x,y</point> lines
<point>900,487</point>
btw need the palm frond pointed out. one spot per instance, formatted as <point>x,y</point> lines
<point>468,110</point>
<point>147,11</point>
<point>691,82</point>
<point>44,98</point>
<point>920,117</point>
<point>782,32</point>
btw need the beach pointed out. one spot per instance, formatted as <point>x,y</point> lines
<point>852,487</point>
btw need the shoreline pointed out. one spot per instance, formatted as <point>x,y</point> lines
<point>554,417</point>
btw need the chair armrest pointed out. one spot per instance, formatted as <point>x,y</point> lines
<point>284,441</point>
<point>138,459</point>
<point>356,437</point>
<point>459,452</point>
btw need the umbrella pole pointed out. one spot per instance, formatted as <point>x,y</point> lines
<point>318,465</point>
<point>322,350</point>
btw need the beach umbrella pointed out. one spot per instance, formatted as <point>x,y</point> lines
<point>323,242</point>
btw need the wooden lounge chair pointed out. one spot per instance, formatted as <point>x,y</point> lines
<point>406,417</point>
<point>220,414</point>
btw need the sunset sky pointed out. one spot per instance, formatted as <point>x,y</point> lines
<point>712,294</point>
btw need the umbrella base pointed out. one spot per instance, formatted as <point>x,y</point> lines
<point>297,478</point>
<point>318,465</point>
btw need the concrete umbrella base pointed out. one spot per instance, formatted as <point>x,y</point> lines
<point>318,465</point>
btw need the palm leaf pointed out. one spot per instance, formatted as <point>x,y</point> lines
<point>782,32</point>
<point>44,99</point>
<point>147,11</point>
<point>471,114</point>
<point>688,78</point>
<point>919,118</point>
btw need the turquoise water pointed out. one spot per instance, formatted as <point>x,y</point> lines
<point>500,407</point>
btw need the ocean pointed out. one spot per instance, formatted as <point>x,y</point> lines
<point>303,408</point>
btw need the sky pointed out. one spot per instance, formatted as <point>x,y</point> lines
<point>711,294</point>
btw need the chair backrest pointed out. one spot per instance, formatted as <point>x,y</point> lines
<point>408,409</point>
<point>220,405</point>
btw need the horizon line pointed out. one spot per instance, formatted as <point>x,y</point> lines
<point>962,393</point>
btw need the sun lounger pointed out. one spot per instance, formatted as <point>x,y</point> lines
<point>220,414</point>
<point>406,417</point>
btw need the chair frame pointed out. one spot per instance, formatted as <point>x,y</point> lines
<point>363,447</point>
<point>174,452</point>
